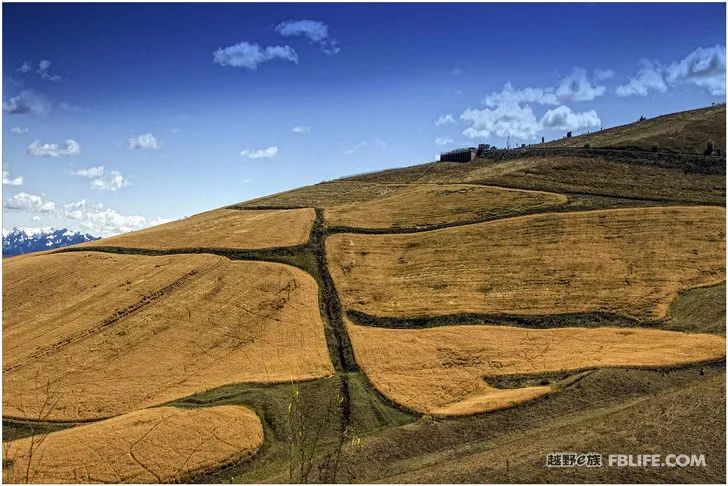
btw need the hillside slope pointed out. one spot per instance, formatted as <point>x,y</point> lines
<point>445,322</point>
<point>687,131</point>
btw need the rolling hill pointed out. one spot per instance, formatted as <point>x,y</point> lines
<point>445,322</point>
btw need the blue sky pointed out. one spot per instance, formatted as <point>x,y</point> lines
<point>120,116</point>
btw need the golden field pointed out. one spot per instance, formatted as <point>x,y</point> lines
<point>631,262</point>
<point>431,204</point>
<point>155,445</point>
<point>113,333</point>
<point>445,370</point>
<point>222,228</point>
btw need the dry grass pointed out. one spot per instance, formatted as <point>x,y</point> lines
<point>680,132</point>
<point>624,261</point>
<point>419,205</point>
<point>325,195</point>
<point>155,445</point>
<point>222,228</point>
<point>593,175</point>
<point>115,333</point>
<point>600,176</point>
<point>445,370</point>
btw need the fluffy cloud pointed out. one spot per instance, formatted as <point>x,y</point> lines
<point>70,147</point>
<point>445,120</point>
<point>19,130</point>
<point>101,180</point>
<point>704,67</point>
<point>264,153</point>
<point>301,129</point>
<point>648,78</point>
<point>7,181</point>
<point>90,172</point>
<point>25,67</point>
<point>250,56</point>
<point>29,202</point>
<point>315,31</point>
<point>509,95</point>
<point>506,119</point>
<point>145,141</point>
<point>577,87</point>
<point>99,220</point>
<point>574,87</point>
<point>27,101</point>
<point>43,69</point>
<point>443,141</point>
<point>563,118</point>
<point>603,74</point>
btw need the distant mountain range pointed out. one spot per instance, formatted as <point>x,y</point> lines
<point>27,240</point>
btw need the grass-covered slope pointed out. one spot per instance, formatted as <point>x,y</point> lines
<point>687,131</point>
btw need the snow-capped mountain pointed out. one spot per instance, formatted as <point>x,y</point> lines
<point>25,240</point>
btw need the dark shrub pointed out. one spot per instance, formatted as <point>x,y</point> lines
<point>709,148</point>
<point>655,147</point>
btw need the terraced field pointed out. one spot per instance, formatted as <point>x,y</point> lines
<point>136,340</point>
<point>361,205</point>
<point>442,323</point>
<point>155,445</point>
<point>244,230</point>
<point>457,370</point>
<point>425,205</point>
<point>631,262</point>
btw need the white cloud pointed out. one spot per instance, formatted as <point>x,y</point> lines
<point>577,87</point>
<point>29,202</point>
<point>456,72</point>
<point>443,141</point>
<point>90,172</point>
<point>301,129</point>
<point>145,141</point>
<point>43,69</point>
<point>27,101</point>
<point>315,31</point>
<point>250,56</point>
<point>7,181</point>
<point>356,147</point>
<point>101,179</point>
<point>509,95</point>
<point>19,130</point>
<point>648,78</point>
<point>25,67</point>
<point>506,119</point>
<point>380,142</point>
<point>563,118</point>
<point>704,67</point>
<point>574,87</point>
<point>603,74</point>
<point>445,120</point>
<point>102,221</point>
<point>70,147</point>
<point>36,218</point>
<point>264,153</point>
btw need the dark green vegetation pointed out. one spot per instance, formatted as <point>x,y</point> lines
<point>353,434</point>
<point>322,412</point>
<point>698,310</point>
